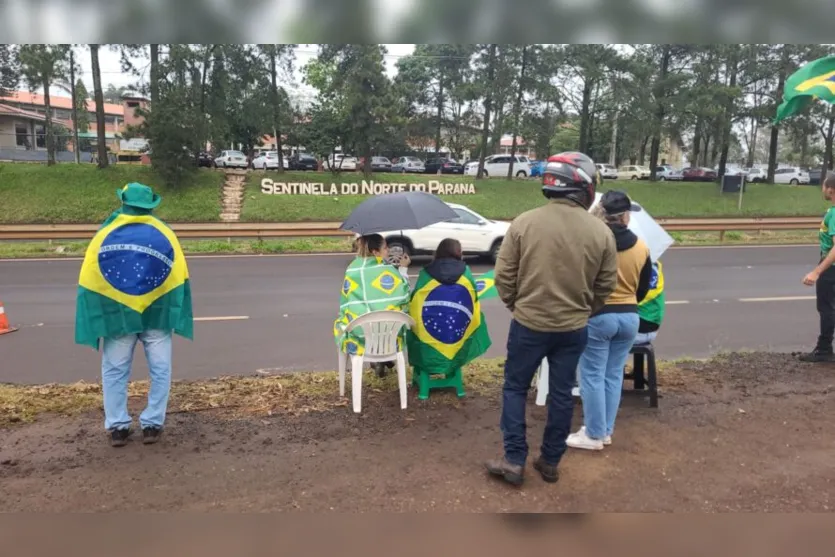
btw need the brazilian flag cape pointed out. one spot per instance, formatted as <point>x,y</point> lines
<point>652,306</point>
<point>450,330</point>
<point>134,278</point>
<point>486,286</point>
<point>369,285</point>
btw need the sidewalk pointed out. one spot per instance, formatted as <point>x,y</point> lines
<point>750,433</point>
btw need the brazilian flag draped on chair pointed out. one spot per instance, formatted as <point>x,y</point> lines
<point>450,328</point>
<point>134,278</point>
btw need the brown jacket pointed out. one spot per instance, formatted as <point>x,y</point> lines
<point>634,272</point>
<point>557,265</point>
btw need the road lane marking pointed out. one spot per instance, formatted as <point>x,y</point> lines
<point>676,302</point>
<point>223,318</point>
<point>779,299</point>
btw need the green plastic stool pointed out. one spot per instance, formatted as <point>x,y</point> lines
<point>425,382</point>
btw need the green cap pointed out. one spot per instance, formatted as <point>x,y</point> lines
<point>138,195</point>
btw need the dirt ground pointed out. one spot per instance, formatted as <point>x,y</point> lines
<point>747,432</point>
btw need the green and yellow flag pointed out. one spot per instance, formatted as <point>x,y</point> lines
<point>369,285</point>
<point>134,278</point>
<point>450,330</point>
<point>815,80</point>
<point>486,286</point>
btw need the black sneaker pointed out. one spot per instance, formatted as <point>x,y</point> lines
<point>119,437</point>
<point>549,473</point>
<point>511,473</point>
<point>818,356</point>
<point>151,435</point>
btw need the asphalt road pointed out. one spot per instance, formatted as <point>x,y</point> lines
<point>276,313</point>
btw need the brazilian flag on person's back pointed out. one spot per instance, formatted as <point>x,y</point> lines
<point>134,278</point>
<point>450,330</point>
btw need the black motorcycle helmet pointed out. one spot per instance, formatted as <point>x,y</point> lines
<point>571,175</point>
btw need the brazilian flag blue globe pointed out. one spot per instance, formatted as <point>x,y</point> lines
<point>450,330</point>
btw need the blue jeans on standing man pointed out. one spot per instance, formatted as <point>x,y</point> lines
<point>611,336</point>
<point>526,349</point>
<point>117,357</point>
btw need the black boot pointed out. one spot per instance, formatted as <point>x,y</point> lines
<point>822,353</point>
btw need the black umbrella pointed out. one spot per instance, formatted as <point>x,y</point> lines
<point>408,210</point>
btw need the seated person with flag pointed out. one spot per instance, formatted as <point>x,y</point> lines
<point>370,284</point>
<point>651,309</point>
<point>134,287</point>
<point>450,330</point>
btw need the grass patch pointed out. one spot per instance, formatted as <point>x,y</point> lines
<point>22,250</point>
<point>291,393</point>
<point>69,193</point>
<point>502,199</point>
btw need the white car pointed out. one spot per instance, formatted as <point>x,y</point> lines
<point>756,175</point>
<point>633,172</point>
<point>341,162</point>
<point>409,164</point>
<point>791,175</point>
<point>607,171</point>
<point>478,235</point>
<point>498,165</point>
<point>231,159</point>
<point>664,173</point>
<point>269,160</point>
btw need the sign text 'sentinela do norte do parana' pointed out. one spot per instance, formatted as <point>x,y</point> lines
<point>369,187</point>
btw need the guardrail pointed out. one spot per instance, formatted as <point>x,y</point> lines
<point>311,229</point>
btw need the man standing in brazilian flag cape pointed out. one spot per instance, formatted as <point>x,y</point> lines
<point>450,330</point>
<point>134,287</point>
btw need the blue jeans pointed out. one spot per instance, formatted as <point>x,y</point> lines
<point>117,357</point>
<point>601,370</point>
<point>525,350</point>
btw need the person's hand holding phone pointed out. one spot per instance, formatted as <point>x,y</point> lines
<point>405,260</point>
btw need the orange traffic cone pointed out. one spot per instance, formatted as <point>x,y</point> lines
<point>4,321</point>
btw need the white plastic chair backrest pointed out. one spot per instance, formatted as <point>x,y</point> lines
<point>380,329</point>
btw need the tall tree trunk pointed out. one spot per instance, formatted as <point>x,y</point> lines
<point>697,143</point>
<point>752,146</point>
<point>154,73</point>
<point>276,109</point>
<point>728,121</point>
<point>642,152</point>
<point>660,113</point>
<point>775,131</point>
<point>488,105</point>
<point>613,147</point>
<point>707,146</point>
<point>74,109</point>
<point>99,96</point>
<point>50,138</point>
<point>585,117</point>
<point>517,108</point>
<point>440,116</point>
<point>498,129</point>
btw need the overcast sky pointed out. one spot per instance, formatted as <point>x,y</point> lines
<point>111,68</point>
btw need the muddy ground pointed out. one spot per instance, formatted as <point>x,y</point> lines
<point>749,432</point>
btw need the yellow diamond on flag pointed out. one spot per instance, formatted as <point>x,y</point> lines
<point>349,316</point>
<point>348,286</point>
<point>387,282</point>
<point>393,308</point>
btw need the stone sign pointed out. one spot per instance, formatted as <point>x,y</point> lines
<point>364,187</point>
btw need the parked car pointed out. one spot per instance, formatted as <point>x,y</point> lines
<point>380,164</point>
<point>231,159</point>
<point>409,164</point>
<point>607,171</point>
<point>478,235</point>
<point>633,172</point>
<point>791,175</point>
<point>666,172</point>
<point>341,162</point>
<point>303,161</point>
<point>205,160</point>
<point>699,174</point>
<point>268,160</point>
<point>446,165</point>
<point>498,165</point>
<point>755,175</point>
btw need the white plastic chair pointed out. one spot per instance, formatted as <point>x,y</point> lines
<point>542,383</point>
<point>380,329</point>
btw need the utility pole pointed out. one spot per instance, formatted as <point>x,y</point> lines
<point>74,108</point>
<point>613,146</point>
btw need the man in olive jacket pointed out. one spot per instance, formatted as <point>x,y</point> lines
<point>557,265</point>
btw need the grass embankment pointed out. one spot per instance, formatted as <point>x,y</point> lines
<point>501,199</point>
<point>68,194</point>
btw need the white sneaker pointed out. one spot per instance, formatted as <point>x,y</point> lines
<point>606,440</point>
<point>580,440</point>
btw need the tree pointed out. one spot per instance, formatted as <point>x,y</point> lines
<point>9,69</point>
<point>114,94</point>
<point>278,57</point>
<point>517,107</point>
<point>490,63</point>
<point>103,160</point>
<point>41,65</point>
